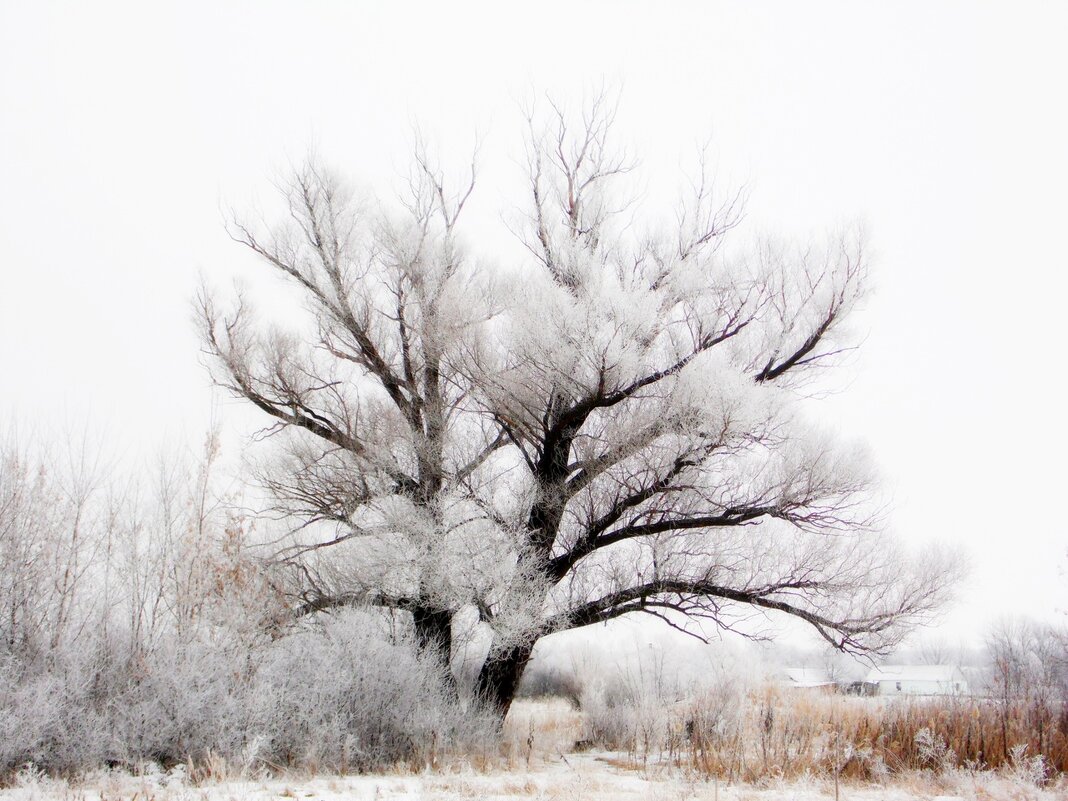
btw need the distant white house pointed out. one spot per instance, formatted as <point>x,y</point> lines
<point>806,678</point>
<point>917,680</point>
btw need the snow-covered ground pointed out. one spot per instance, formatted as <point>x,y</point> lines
<point>577,777</point>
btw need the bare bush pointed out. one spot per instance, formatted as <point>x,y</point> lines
<point>142,629</point>
<point>631,709</point>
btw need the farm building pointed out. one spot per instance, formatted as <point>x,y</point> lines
<point>917,680</point>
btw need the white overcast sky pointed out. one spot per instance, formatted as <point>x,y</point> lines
<point>124,128</point>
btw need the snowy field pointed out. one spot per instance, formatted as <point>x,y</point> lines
<point>597,777</point>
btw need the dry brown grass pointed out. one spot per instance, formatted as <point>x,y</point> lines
<point>789,734</point>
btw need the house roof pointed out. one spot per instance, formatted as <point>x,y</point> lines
<point>933,673</point>
<point>806,677</point>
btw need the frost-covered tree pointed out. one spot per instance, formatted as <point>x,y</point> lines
<point>614,426</point>
<point>381,412</point>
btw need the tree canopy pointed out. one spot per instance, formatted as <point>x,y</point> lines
<point>614,426</point>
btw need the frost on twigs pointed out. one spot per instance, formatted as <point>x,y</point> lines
<point>615,427</point>
<point>141,632</point>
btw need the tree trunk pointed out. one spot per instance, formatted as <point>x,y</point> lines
<point>500,675</point>
<point>433,635</point>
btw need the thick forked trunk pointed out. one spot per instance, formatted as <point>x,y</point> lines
<point>433,629</point>
<point>433,635</point>
<point>500,675</point>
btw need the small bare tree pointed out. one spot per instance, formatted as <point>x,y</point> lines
<point>50,533</point>
<point>1028,675</point>
<point>620,432</point>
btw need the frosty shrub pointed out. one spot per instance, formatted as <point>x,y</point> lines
<point>1028,769</point>
<point>933,751</point>
<point>631,708</point>
<point>346,698</point>
<point>141,630</point>
<point>338,697</point>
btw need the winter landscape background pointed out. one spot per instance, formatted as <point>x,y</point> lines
<point>786,288</point>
